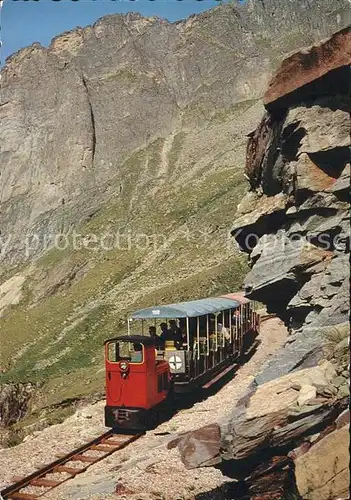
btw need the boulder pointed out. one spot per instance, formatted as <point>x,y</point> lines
<point>323,472</point>
<point>280,412</point>
<point>199,448</point>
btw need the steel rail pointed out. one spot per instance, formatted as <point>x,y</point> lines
<point>107,444</point>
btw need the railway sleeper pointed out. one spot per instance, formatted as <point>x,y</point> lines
<point>105,447</point>
<point>112,442</point>
<point>48,483</point>
<point>23,496</point>
<point>84,458</point>
<point>70,470</point>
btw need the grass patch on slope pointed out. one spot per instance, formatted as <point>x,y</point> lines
<point>38,327</point>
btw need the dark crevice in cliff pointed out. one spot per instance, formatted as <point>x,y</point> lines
<point>269,481</point>
<point>304,215</point>
<point>340,100</point>
<point>343,195</point>
<point>271,166</point>
<point>332,161</point>
<point>262,151</point>
<point>329,240</point>
<point>301,195</point>
<point>93,147</point>
<point>276,295</point>
<point>247,237</point>
<point>291,141</point>
<point>298,315</point>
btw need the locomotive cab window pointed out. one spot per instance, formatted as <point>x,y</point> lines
<point>125,351</point>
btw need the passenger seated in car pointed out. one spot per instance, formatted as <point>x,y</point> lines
<point>176,333</point>
<point>165,333</point>
<point>158,341</point>
<point>224,331</point>
<point>171,336</point>
<point>137,355</point>
<point>175,330</point>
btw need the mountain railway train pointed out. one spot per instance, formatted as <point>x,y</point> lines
<point>204,341</point>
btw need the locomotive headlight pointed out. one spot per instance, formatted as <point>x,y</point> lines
<point>123,365</point>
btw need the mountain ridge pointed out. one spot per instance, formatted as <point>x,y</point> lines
<point>180,82</point>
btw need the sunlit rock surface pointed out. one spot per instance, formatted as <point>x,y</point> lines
<point>297,231</point>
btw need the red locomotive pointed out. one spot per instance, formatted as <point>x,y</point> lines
<point>204,341</point>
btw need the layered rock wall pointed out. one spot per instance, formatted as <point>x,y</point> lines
<point>278,426</point>
<point>294,223</point>
<point>288,435</point>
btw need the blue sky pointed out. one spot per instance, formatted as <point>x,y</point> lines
<point>24,22</point>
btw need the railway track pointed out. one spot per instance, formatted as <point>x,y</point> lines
<point>66,467</point>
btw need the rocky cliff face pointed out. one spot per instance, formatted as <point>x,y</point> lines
<point>121,154</point>
<point>297,228</point>
<point>286,436</point>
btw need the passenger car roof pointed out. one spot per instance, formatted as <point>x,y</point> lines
<point>142,339</point>
<point>239,296</point>
<point>189,309</point>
